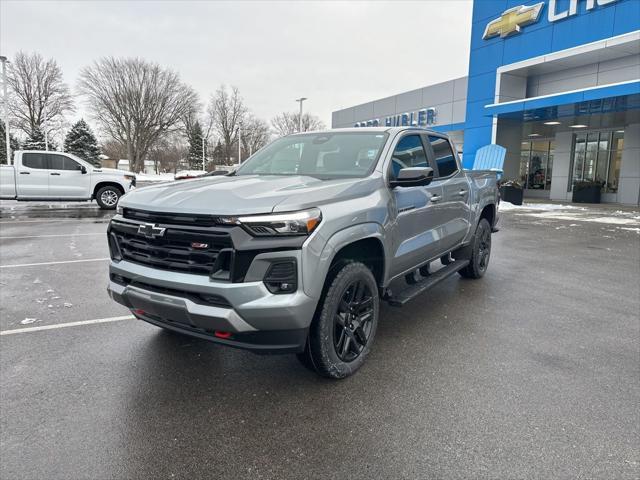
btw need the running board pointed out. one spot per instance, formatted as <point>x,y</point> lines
<point>413,291</point>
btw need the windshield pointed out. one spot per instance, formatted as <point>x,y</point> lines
<point>320,155</point>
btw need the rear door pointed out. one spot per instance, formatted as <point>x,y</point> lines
<point>455,190</point>
<point>66,179</point>
<point>417,210</point>
<point>32,176</point>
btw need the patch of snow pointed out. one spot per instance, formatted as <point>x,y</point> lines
<point>68,305</point>
<point>637,230</point>
<point>37,280</point>
<point>153,177</point>
<point>594,219</point>
<point>27,321</point>
<point>547,207</point>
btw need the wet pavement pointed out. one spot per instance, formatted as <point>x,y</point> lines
<point>531,372</point>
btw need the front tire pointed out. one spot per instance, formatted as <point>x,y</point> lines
<point>342,333</point>
<point>480,251</point>
<point>107,197</point>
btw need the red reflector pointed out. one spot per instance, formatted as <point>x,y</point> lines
<point>137,311</point>
<point>221,334</point>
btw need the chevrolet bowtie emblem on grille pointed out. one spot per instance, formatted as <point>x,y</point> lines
<point>512,20</point>
<point>150,230</point>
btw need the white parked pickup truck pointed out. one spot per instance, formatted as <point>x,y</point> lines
<point>57,176</point>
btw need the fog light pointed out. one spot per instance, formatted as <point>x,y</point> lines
<point>282,276</point>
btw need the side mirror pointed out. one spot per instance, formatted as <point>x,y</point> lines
<point>413,177</point>
<point>83,169</point>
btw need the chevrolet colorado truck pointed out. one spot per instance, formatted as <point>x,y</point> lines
<point>55,176</point>
<point>295,250</point>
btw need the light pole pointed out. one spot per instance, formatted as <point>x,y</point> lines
<point>239,143</point>
<point>301,99</point>
<point>203,154</point>
<point>5,105</point>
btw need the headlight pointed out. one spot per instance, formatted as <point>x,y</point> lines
<point>119,210</point>
<point>292,223</point>
<point>129,177</point>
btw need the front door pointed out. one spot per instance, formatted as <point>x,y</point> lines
<point>417,210</point>
<point>456,212</point>
<point>66,179</point>
<point>32,177</point>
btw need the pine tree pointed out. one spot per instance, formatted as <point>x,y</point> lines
<point>81,142</point>
<point>35,141</point>
<point>13,144</point>
<point>195,147</point>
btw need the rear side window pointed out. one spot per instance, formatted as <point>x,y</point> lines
<point>443,155</point>
<point>60,162</point>
<point>34,160</point>
<point>409,152</point>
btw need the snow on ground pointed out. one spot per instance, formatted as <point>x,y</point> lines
<point>154,177</point>
<point>573,213</point>
<point>547,207</point>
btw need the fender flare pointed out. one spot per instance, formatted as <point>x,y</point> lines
<point>333,245</point>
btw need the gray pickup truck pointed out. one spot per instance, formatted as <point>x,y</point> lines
<point>294,251</point>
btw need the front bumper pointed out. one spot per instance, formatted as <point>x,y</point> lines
<point>254,318</point>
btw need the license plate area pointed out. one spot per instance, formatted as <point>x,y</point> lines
<point>160,306</point>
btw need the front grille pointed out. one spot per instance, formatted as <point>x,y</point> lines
<point>177,250</point>
<point>190,220</point>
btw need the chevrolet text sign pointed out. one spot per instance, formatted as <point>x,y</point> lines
<point>514,19</point>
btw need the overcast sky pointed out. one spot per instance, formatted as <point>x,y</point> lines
<point>337,54</point>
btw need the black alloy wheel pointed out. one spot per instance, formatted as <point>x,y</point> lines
<point>353,321</point>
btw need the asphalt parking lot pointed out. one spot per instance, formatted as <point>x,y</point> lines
<point>531,372</point>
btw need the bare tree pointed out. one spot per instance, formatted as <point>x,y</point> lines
<point>37,89</point>
<point>136,102</point>
<point>255,134</point>
<point>226,113</point>
<point>287,123</point>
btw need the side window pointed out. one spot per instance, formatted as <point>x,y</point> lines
<point>34,160</point>
<point>409,152</point>
<point>60,162</point>
<point>443,155</point>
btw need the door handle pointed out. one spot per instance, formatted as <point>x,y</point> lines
<point>25,173</point>
<point>462,193</point>
<point>435,198</point>
<point>55,173</point>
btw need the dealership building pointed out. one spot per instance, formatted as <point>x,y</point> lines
<point>555,82</point>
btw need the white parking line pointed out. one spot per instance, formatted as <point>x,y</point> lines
<point>65,325</point>
<point>56,221</point>
<point>54,263</point>
<point>61,235</point>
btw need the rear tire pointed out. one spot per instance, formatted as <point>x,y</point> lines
<point>342,333</point>
<point>107,197</point>
<point>480,251</point>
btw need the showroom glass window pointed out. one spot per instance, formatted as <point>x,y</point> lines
<point>536,164</point>
<point>597,156</point>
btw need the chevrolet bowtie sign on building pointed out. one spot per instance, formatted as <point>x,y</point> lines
<point>512,20</point>
<point>555,82</point>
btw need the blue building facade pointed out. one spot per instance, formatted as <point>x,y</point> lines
<point>557,82</point>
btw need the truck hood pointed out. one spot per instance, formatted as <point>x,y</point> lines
<point>242,195</point>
